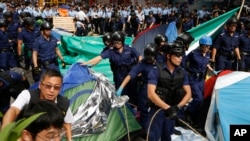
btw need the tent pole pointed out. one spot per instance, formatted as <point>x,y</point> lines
<point>241,7</point>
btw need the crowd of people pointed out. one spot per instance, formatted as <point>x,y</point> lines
<point>160,82</point>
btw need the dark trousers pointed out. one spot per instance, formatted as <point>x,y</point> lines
<point>161,127</point>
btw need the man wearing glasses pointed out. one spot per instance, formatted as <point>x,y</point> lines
<point>168,91</point>
<point>49,88</point>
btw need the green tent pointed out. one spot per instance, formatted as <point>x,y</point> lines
<point>77,49</point>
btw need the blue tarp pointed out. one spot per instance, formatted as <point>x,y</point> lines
<point>76,75</point>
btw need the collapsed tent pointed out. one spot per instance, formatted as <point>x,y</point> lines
<point>98,113</point>
<point>229,105</point>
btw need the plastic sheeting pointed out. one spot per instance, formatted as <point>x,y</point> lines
<point>91,116</point>
<point>95,107</point>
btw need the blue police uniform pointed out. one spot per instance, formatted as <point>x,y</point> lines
<point>197,69</point>
<point>142,68</point>
<point>133,28</point>
<point>225,45</point>
<point>12,30</point>
<point>46,53</point>
<point>150,20</point>
<point>15,16</point>
<point>187,25</point>
<point>122,64</point>
<point>7,58</point>
<point>244,46</point>
<point>162,127</point>
<point>12,85</point>
<point>161,58</point>
<point>28,38</point>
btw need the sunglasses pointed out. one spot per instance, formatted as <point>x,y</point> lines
<point>178,54</point>
<point>207,46</point>
<point>117,42</point>
<point>49,86</point>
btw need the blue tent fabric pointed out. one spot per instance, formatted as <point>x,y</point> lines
<point>229,105</point>
<point>171,32</point>
<point>75,76</point>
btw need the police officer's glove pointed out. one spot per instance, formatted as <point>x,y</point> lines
<point>36,71</point>
<point>216,72</point>
<point>119,91</point>
<point>63,65</point>
<point>20,58</point>
<point>171,112</point>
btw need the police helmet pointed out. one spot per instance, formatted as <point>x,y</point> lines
<point>7,14</point>
<point>107,38</point>
<point>2,23</point>
<point>46,25</point>
<point>174,48</point>
<point>186,38</point>
<point>160,38</point>
<point>118,36</point>
<point>205,40</point>
<point>232,20</point>
<point>150,52</point>
<point>28,21</point>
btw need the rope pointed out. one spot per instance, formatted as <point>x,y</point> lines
<point>151,122</point>
<point>190,127</point>
<point>126,115</point>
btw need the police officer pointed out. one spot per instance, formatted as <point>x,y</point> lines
<point>198,61</point>
<point>226,47</point>
<point>143,68</point>
<point>186,39</point>
<point>134,24</point>
<point>45,51</point>
<point>244,46</point>
<point>150,21</point>
<point>124,58</point>
<point>11,84</point>
<point>13,28</point>
<point>7,58</point>
<point>27,37</point>
<point>188,22</point>
<point>161,41</point>
<point>168,91</point>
